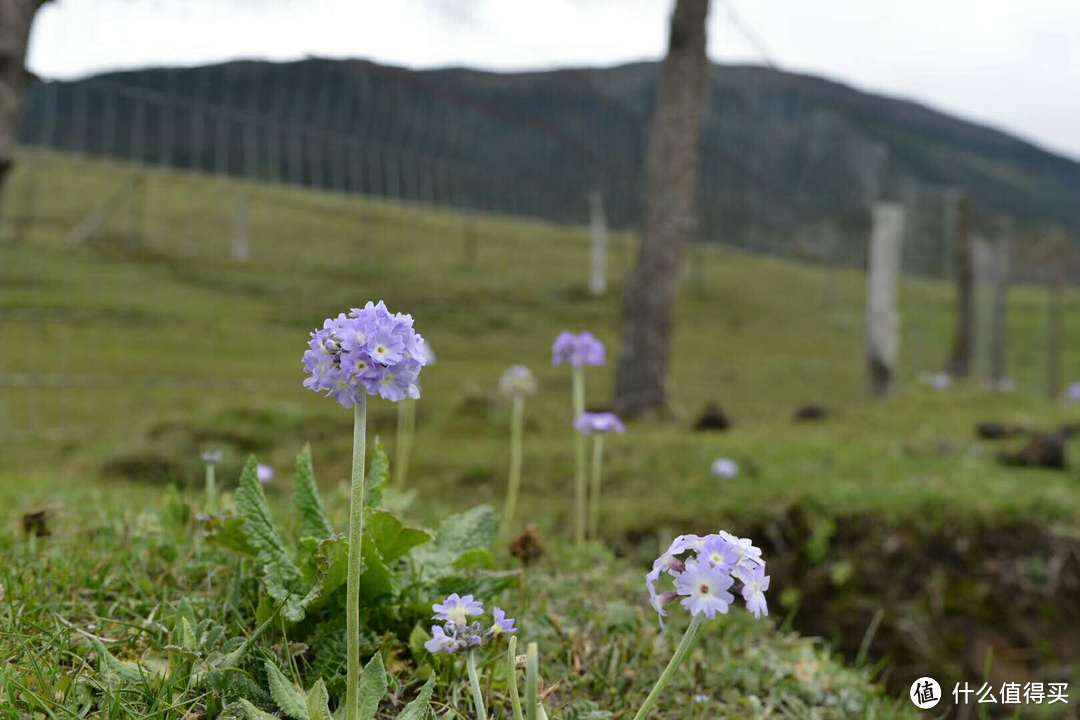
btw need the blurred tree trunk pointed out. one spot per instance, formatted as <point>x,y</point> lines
<point>671,168</point>
<point>16,17</point>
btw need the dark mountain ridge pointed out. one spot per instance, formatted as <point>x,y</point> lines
<point>784,152</point>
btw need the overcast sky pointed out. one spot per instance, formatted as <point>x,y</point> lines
<point>1013,64</point>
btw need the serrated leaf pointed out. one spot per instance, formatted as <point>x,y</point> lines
<point>376,581</point>
<point>286,696</point>
<point>420,707</point>
<point>114,669</point>
<point>258,523</point>
<point>377,477</point>
<point>254,713</point>
<point>318,702</point>
<point>391,536</point>
<point>281,576</point>
<point>475,559</point>
<point>458,534</point>
<point>187,638</point>
<point>229,534</point>
<point>314,522</point>
<point>372,688</point>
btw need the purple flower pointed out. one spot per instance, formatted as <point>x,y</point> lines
<point>1072,392</point>
<point>424,354</point>
<point>590,423</point>
<point>755,583</point>
<point>725,468</point>
<point>440,642</point>
<point>719,553</point>
<point>456,610</point>
<point>577,350</point>
<point>746,554</point>
<point>702,569</point>
<point>517,380</point>
<point>501,624</point>
<point>265,473</point>
<point>367,351</point>
<point>703,588</point>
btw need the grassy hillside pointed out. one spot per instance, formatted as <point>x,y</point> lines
<point>152,351</point>
<point>888,523</point>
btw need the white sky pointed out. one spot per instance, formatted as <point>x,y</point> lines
<point>1013,64</point>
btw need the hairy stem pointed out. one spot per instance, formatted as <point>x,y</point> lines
<point>594,500</point>
<point>511,674</point>
<point>673,665</point>
<point>517,423</point>
<point>211,490</point>
<point>532,680</point>
<point>356,537</point>
<point>579,457</point>
<point>474,686</point>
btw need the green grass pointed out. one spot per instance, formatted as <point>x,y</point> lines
<point>168,344</point>
<point>157,351</point>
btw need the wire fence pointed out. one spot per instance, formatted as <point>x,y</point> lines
<point>152,156</point>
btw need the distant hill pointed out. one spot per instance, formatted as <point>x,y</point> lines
<point>784,151</point>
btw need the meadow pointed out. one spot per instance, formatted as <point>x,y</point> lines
<point>888,521</point>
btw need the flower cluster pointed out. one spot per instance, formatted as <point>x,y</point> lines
<point>702,570</point>
<point>577,350</point>
<point>725,468</point>
<point>212,457</point>
<point>1072,392</point>
<point>591,423</point>
<point>369,350</point>
<point>517,380</point>
<point>457,632</point>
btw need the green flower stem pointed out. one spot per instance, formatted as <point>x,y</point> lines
<point>211,490</point>
<point>474,685</point>
<point>532,680</point>
<point>356,537</point>
<point>511,670</point>
<point>406,428</point>
<point>673,665</point>
<point>579,457</point>
<point>594,501</point>
<point>517,425</point>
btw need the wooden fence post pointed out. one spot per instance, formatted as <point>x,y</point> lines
<point>883,316</point>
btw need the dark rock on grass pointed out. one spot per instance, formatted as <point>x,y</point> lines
<point>36,523</point>
<point>992,430</point>
<point>712,419</point>
<point>527,547</point>
<point>1041,450</point>
<point>143,467</point>
<point>813,412</point>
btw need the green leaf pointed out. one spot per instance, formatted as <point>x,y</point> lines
<point>254,713</point>
<point>229,534</point>
<point>377,477</point>
<point>372,688</point>
<point>318,702</point>
<point>187,638</point>
<point>281,576</point>
<point>417,638</point>
<point>458,534</point>
<point>113,669</point>
<point>420,708</point>
<point>376,581</point>
<point>391,537</point>
<point>286,695</point>
<point>314,522</point>
<point>475,559</point>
